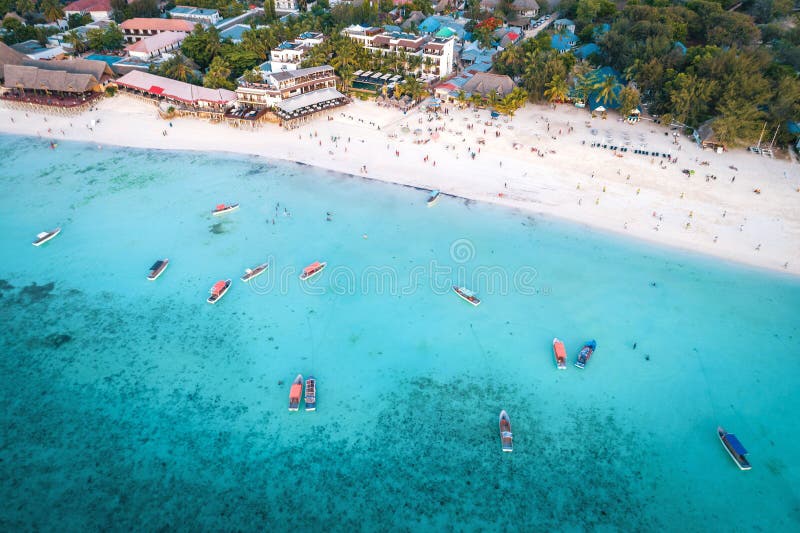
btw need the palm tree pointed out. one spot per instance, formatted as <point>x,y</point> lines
<point>178,68</point>
<point>492,98</point>
<point>557,89</point>
<point>476,99</point>
<point>606,89</point>
<point>74,38</point>
<point>346,74</point>
<point>461,98</point>
<point>52,10</point>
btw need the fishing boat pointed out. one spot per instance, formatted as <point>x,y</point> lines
<point>295,392</point>
<point>45,236</point>
<point>218,291</point>
<point>157,269</point>
<point>221,209</point>
<point>585,353</point>
<point>250,273</point>
<point>433,197</point>
<point>467,295</point>
<point>734,448</point>
<point>312,270</point>
<point>506,437</point>
<point>560,353</point>
<point>311,394</point>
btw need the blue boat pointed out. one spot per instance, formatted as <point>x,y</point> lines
<point>311,394</point>
<point>734,448</point>
<point>433,197</point>
<point>585,354</point>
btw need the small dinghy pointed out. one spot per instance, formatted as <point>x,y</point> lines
<point>221,209</point>
<point>157,269</point>
<point>433,197</point>
<point>312,270</point>
<point>560,353</point>
<point>467,295</point>
<point>250,273</point>
<point>295,393</point>
<point>311,394</point>
<point>734,448</point>
<point>218,291</point>
<point>585,353</point>
<point>506,437</point>
<point>45,236</point>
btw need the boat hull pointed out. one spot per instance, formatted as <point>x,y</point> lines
<point>214,298</point>
<point>742,462</point>
<point>433,199</point>
<point>560,354</point>
<point>254,273</point>
<point>295,393</point>
<point>506,437</point>
<point>472,300</point>
<point>50,236</point>
<point>306,277</point>
<point>154,274</point>
<point>311,394</point>
<point>585,354</point>
<point>228,209</point>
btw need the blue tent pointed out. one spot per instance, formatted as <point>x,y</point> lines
<point>681,47</point>
<point>563,41</point>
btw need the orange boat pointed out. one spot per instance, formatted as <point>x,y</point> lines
<point>560,353</point>
<point>221,209</point>
<point>218,291</point>
<point>295,393</point>
<point>312,270</point>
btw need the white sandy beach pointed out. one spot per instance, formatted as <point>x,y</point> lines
<point>632,194</point>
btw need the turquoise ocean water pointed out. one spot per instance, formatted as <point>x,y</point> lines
<point>129,404</point>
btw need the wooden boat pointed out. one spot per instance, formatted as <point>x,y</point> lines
<point>295,392</point>
<point>256,271</point>
<point>585,353</point>
<point>560,353</point>
<point>45,236</point>
<point>467,295</point>
<point>433,197</point>
<point>312,270</point>
<point>221,209</point>
<point>734,448</point>
<point>218,291</point>
<point>157,269</point>
<point>506,437</point>
<point>311,394</point>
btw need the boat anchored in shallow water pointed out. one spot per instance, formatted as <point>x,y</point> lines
<point>157,269</point>
<point>561,354</point>
<point>221,209</point>
<point>585,353</point>
<point>45,236</point>
<point>467,295</point>
<point>311,394</point>
<point>433,197</point>
<point>295,393</point>
<point>218,291</point>
<point>734,448</point>
<point>506,437</point>
<point>312,270</point>
<point>250,273</point>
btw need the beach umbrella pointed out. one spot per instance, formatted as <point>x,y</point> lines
<point>600,109</point>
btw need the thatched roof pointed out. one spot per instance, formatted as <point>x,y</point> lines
<point>485,83</point>
<point>9,56</point>
<point>97,69</point>
<point>25,77</point>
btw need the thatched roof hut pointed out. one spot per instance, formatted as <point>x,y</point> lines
<point>32,78</point>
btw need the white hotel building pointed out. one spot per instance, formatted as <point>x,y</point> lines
<point>437,54</point>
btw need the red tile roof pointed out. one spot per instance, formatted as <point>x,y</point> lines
<point>157,24</point>
<point>89,5</point>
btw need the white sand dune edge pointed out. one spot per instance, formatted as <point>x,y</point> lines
<point>631,195</point>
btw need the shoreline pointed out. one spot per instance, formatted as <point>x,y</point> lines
<point>571,180</point>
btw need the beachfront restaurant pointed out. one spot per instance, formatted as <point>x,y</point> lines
<point>30,85</point>
<point>299,109</point>
<point>184,97</point>
<point>374,82</point>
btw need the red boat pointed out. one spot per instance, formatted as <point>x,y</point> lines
<point>221,209</point>
<point>295,392</point>
<point>218,291</point>
<point>560,353</point>
<point>312,270</point>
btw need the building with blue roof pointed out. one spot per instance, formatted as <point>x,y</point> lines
<point>564,24</point>
<point>392,28</point>
<point>198,15</point>
<point>429,25</point>
<point>563,42</point>
<point>234,33</point>
<point>583,52</point>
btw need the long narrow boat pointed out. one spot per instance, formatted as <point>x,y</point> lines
<point>312,270</point>
<point>218,291</point>
<point>467,295</point>
<point>157,269</point>
<point>311,394</point>
<point>295,392</point>
<point>560,353</point>
<point>734,448</point>
<point>250,273</point>
<point>45,236</point>
<point>585,353</point>
<point>433,197</point>
<point>221,209</point>
<point>506,437</point>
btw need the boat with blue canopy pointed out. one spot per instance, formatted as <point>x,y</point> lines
<point>467,295</point>
<point>585,353</point>
<point>734,448</point>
